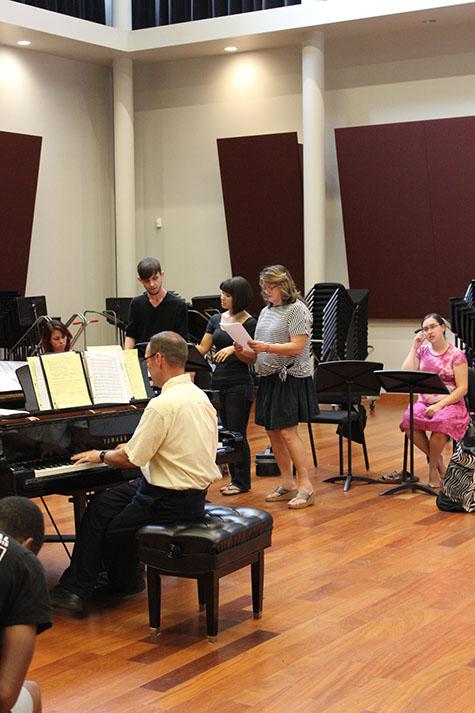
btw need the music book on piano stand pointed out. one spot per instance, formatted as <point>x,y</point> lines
<point>102,375</point>
<point>65,380</point>
<point>129,358</point>
<point>37,389</point>
<point>108,377</point>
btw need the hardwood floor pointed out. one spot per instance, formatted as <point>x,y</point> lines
<point>368,608</point>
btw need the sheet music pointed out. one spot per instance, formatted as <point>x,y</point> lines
<point>130,358</point>
<point>11,412</point>
<point>132,365</point>
<point>238,334</point>
<point>8,377</point>
<point>39,383</point>
<point>66,380</point>
<point>108,376</point>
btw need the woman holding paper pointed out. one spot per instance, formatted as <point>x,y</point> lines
<point>231,376</point>
<point>286,394</point>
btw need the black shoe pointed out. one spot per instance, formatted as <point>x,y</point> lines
<point>63,599</point>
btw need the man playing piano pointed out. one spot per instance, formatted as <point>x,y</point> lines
<point>175,446</point>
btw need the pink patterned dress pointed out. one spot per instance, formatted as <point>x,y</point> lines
<point>453,419</point>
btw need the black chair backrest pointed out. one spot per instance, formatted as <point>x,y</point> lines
<point>470,397</point>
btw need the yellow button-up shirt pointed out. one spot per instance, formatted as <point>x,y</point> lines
<point>176,440</point>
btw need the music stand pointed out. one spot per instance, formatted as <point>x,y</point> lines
<point>411,382</point>
<point>196,361</point>
<point>350,380</point>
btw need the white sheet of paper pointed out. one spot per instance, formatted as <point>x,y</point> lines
<point>8,378</point>
<point>238,334</point>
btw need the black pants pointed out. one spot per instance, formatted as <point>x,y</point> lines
<point>234,407</point>
<point>106,536</point>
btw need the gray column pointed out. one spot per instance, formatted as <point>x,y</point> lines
<point>313,119</point>
<point>124,176</point>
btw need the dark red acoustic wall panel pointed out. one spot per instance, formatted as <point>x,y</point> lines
<point>20,160</point>
<point>451,171</point>
<point>408,212</point>
<point>261,177</point>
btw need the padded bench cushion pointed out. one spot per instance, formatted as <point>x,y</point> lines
<point>222,529</point>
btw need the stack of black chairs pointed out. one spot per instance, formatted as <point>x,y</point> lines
<point>462,320</point>
<point>357,337</point>
<point>17,315</point>
<point>340,321</point>
<point>340,334</point>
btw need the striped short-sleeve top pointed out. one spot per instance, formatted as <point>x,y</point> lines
<point>276,325</point>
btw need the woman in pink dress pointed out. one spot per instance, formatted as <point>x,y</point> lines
<point>443,415</point>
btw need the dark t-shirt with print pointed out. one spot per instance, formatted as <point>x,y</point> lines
<point>24,597</point>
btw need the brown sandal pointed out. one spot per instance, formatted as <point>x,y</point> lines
<point>306,499</point>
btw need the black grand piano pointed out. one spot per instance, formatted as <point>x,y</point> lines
<point>35,453</point>
<point>36,447</point>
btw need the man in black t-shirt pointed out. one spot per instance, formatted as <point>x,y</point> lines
<point>25,609</point>
<point>156,310</point>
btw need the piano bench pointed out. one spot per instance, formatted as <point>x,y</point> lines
<point>227,540</point>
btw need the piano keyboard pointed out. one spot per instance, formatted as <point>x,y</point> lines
<point>64,468</point>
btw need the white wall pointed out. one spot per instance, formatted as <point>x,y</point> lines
<point>68,103</point>
<point>182,107</point>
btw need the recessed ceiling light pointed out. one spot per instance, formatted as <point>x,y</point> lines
<point>231,48</point>
<point>23,43</point>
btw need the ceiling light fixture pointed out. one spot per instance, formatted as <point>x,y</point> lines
<point>23,43</point>
<point>231,48</point>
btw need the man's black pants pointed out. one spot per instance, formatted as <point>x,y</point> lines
<point>106,535</point>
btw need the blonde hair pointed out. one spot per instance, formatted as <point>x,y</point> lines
<point>279,276</point>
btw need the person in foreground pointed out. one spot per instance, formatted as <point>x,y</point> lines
<point>231,376</point>
<point>175,446</point>
<point>24,602</point>
<point>443,415</point>
<point>285,395</point>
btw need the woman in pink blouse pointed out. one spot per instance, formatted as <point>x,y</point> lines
<point>443,415</point>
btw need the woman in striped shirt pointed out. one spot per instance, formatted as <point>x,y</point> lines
<point>286,395</point>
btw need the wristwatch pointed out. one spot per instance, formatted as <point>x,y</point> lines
<point>102,456</point>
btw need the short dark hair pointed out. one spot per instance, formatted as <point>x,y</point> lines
<point>171,346</point>
<point>148,267</point>
<point>240,290</point>
<point>47,332</point>
<point>21,518</point>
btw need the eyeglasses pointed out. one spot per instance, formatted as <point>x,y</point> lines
<point>430,328</point>
<point>268,286</point>
<point>144,360</point>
